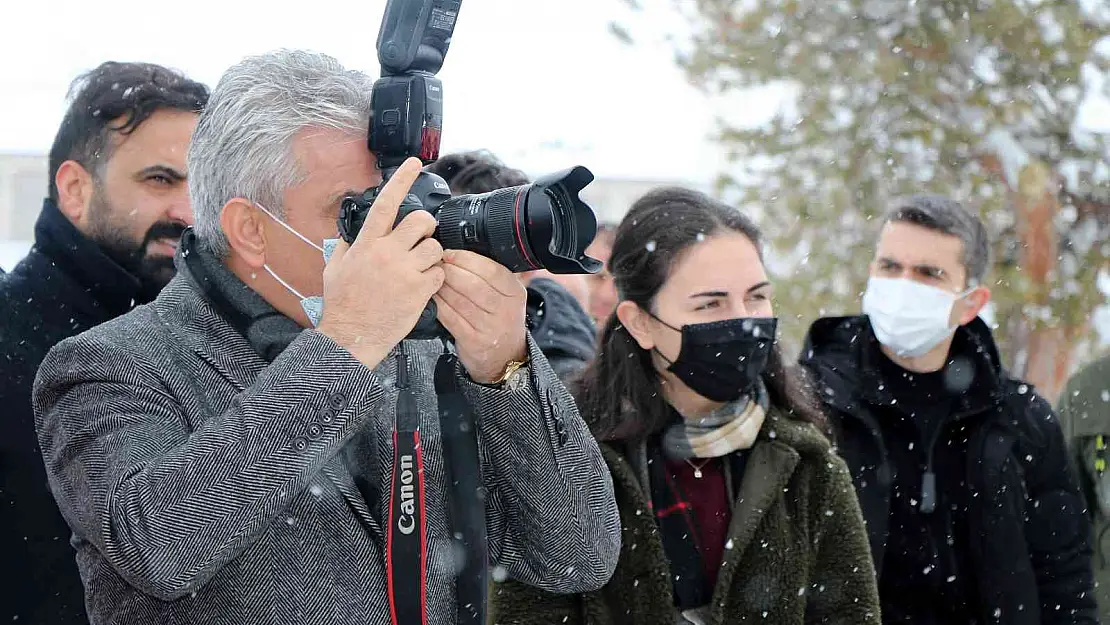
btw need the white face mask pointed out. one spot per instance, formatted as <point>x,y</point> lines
<point>313,306</point>
<point>908,317</point>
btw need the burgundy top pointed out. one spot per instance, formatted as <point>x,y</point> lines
<point>708,497</point>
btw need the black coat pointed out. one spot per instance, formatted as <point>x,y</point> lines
<point>1027,537</point>
<point>64,286</point>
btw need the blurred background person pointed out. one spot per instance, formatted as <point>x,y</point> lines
<point>602,291</point>
<point>961,469</point>
<point>1084,409</point>
<point>116,205</point>
<point>733,506</point>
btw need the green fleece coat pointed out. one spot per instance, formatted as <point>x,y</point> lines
<point>1084,409</point>
<point>797,551</point>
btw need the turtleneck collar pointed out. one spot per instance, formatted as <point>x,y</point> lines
<point>116,290</point>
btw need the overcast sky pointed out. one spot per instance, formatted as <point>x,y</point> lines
<point>543,84</point>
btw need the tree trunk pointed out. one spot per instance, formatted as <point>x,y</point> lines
<point>1051,342</point>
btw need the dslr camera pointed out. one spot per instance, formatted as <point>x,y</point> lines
<point>542,225</point>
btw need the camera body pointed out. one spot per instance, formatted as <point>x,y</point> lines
<point>543,225</point>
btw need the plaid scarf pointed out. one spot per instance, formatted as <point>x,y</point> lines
<point>729,428</point>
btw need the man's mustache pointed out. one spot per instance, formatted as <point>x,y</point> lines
<point>162,230</point>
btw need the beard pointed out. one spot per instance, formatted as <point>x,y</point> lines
<point>108,228</point>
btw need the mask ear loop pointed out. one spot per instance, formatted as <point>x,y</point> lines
<point>652,315</point>
<point>670,363</point>
<point>292,230</point>
<point>283,283</point>
<point>960,296</point>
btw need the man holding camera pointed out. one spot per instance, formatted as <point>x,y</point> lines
<point>223,461</point>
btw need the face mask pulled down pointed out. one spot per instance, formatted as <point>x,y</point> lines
<point>313,306</point>
<point>908,317</point>
<point>723,360</point>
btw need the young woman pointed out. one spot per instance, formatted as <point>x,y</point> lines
<point>734,507</point>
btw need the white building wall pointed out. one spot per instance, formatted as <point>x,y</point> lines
<point>22,188</point>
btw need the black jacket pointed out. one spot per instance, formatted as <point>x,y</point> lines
<point>561,327</point>
<point>1024,536</point>
<point>64,286</point>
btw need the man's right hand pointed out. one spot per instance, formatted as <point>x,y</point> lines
<point>376,288</point>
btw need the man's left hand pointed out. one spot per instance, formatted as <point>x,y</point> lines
<point>482,305</point>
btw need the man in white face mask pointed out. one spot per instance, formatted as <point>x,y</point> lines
<point>962,473</point>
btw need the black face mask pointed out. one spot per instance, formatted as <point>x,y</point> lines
<point>722,360</point>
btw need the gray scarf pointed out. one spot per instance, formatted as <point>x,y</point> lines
<point>268,331</point>
<point>731,427</point>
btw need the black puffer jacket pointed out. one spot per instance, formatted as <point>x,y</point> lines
<point>561,328</point>
<point>1027,537</point>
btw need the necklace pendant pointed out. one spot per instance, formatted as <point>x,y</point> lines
<point>697,473</point>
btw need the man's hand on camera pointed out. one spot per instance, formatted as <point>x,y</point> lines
<point>375,289</point>
<point>482,305</point>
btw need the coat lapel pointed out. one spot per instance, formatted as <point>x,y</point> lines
<point>195,323</point>
<point>768,471</point>
<point>643,578</point>
<point>339,475</point>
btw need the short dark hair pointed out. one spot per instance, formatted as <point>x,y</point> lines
<point>478,171</point>
<point>948,216</point>
<point>654,234</point>
<point>129,92</point>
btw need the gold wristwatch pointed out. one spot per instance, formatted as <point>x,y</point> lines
<point>512,367</point>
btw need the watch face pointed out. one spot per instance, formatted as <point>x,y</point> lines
<point>517,377</point>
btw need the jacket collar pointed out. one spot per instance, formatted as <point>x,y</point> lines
<point>558,322</point>
<point>112,286</point>
<point>845,350</point>
<point>197,325</point>
<point>207,322</point>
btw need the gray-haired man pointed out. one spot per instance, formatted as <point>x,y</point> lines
<point>961,470</point>
<point>225,454</point>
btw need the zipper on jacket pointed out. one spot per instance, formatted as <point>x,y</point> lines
<point>929,479</point>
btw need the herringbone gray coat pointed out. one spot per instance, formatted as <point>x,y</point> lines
<point>206,487</point>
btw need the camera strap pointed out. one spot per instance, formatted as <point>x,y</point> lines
<point>407,543</point>
<point>468,500</point>
<point>406,549</point>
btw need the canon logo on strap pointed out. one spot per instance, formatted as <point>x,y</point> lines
<point>405,522</point>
